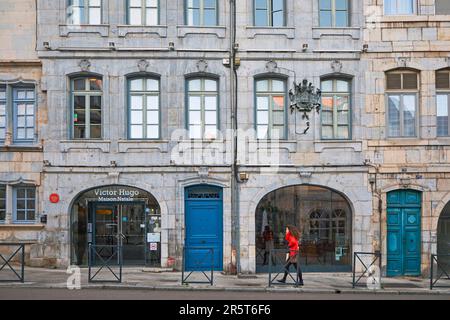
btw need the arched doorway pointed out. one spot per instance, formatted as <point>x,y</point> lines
<point>324,218</point>
<point>443,238</point>
<point>112,215</point>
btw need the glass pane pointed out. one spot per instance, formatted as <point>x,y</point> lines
<point>20,204</point>
<point>278,19</point>
<point>261,4</point>
<point>394,116</point>
<point>209,18</point>
<point>327,117</point>
<point>278,102</point>
<point>277,86</point>
<point>31,204</point>
<point>442,115</point>
<point>152,85</point>
<point>152,117</point>
<point>2,94</point>
<point>136,85</point>
<point>30,109</point>
<point>96,117</point>
<point>30,122</point>
<point>95,84</point>
<point>262,117</point>
<point>341,19</point>
<point>262,103</point>
<point>95,3</point>
<point>261,19</point>
<point>409,115</point>
<point>21,109</point>
<point>210,85</point>
<point>327,86</point>
<point>20,215</point>
<point>137,117</point>
<point>2,121</point>
<point>195,132</point>
<point>79,84</point>
<point>209,3</point>
<point>30,95</point>
<point>2,133</point>
<point>210,132</point>
<point>136,132</point>
<point>343,132</point>
<point>152,102</point>
<point>341,4</point>
<point>277,132</point>
<point>135,3</point>
<point>390,6</point>
<point>21,121</point>
<point>95,16</point>
<point>325,19</point>
<point>96,132</point>
<point>152,3</point>
<point>20,193</point>
<point>211,117</point>
<point>137,102</point>
<point>194,85</point>
<point>325,4</point>
<point>79,132</point>
<point>96,102</point>
<point>210,103</point>
<point>193,16</point>
<point>21,134</point>
<point>262,131</point>
<point>79,102</point>
<point>152,17</point>
<point>30,215</point>
<point>262,86</point>
<point>152,132</point>
<point>194,103</point>
<point>327,132</point>
<point>135,16</point>
<point>195,117</point>
<point>278,118</point>
<point>342,86</point>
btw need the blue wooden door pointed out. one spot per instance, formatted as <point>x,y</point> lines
<point>204,228</point>
<point>403,233</point>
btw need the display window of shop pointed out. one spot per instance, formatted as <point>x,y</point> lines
<point>143,12</point>
<point>24,210</point>
<point>86,97</point>
<point>324,219</point>
<point>2,203</point>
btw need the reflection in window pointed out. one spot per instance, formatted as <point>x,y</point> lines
<point>201,12</point>
<point>269,13</point>
<point>87,108</point>
<point>402,92</point>
<point>333,13</point>
<point>270,109</point>
<point>144,108</point>
<point>323,218</point>
<point>203,104</point>
<point>25,204</point>
<point>442,102</point>
<point>143,12</point>
<point>84,12</point>
<point>336,115</point>
<point>399,7</point>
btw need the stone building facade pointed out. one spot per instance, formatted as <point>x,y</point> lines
<point>233,71</point>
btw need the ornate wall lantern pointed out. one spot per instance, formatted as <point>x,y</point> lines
<point>304,98</point>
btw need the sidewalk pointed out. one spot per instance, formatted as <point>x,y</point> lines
<point>136,278</point>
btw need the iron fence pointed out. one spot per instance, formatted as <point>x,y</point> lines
<point>105,256</point>
<point>202,261</point>
<point>368,271</point>
<point>442,262</point>
<point>284,258</point>
<point>7,261</point>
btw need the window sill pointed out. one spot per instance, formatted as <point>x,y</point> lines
<point>321,146</point>
<point>321,32</point>
<point>219,31</point>
<point>124,30</point>
<point>252,32</point>
<point>414,18</point>
<point>101,29</point>
<point>407,142</point>
<point>27,226</point>
<point>21,148</point>
<point>142,146</point>
<point>289,145</point>
<point>74,145</point>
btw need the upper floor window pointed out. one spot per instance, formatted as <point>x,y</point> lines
<point>442,7</point>
<point>269,13</point>
<point>443,102</point>
<point>201,12</point>
<point>85,12</point>
<point>335,113</point>
<point>334,13</point>
<point>271,109</point>
<point>402,88</point>
<point>143,12</point>
<point>2,203</point>
<point>2,112</point>
<point>144,105</point>
<point>24,204</point>
<point>86,99</point>
<point>203,107</point>
<point>399,7</point>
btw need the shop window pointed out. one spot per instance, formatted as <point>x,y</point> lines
<point>334,13</point>
<point>84,12</point>
<point>270,109</point>
<point>144,106</point>
<point>336,112</point>
<point>2,113</point>
<point>203,107</point>
<point>2,203</point>
<point>399,7</point>
<point>269,13</point>
<point>442,7</point>
<point>201,12</point>
<point>402,89</point>
<point>442,102</point>
<point>87,108</point>
<point>143,12</point>
<point>24,204</point>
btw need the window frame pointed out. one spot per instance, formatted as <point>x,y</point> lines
<point>333,15</point>
<point>270,94</point>
<point>269,15</point>
<point>335,94</point>
<point>144,94</point>
<point>201,14</point>
<point>74,93</point>
<point>5,103</point>
<point>26,199</point>
<point>144,8</point>
<point>15,102</point>
<point>4,200</point>
<point>415,9</point>
<point>86,7</point>
<point>443,92</point>
<point>402,93</point>
<point>202,93</point>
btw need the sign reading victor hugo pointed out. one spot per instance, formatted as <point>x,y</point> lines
<point>116,194</point>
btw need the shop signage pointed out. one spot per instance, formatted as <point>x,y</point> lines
<point>116,194</point>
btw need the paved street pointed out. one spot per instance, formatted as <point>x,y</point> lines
<point>111,294</point>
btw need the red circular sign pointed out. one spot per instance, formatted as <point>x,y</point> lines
<point>54,198</point>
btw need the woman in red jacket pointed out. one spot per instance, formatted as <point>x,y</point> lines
<point>292,237</point>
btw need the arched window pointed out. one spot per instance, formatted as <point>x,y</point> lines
<point>86,94</point>
<point>442,102</point>
<point>203,108</point>
<point>402,90</point>
<point>270,108</point>
<point>336,113</point>
<point>143,108</point>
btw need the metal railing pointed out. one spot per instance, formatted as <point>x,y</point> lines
<point>200,262</point>
<point>6,262</point>
<point>105,256</point>
<point>279,260</point>
<point>368,271</point>
<point>442,268</point>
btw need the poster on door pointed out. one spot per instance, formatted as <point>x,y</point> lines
<point>153,246</point>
